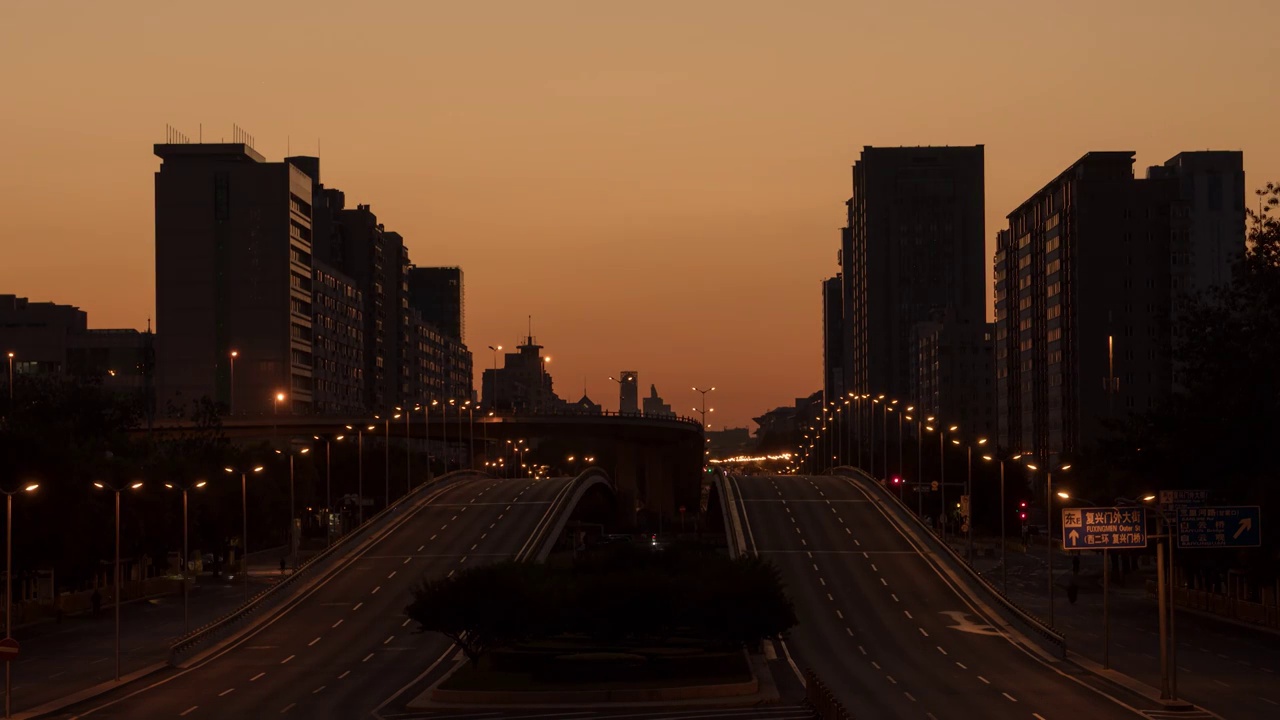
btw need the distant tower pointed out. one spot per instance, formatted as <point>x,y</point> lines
<point>628,392</point>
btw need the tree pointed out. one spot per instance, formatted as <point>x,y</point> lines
<point>481,607</point>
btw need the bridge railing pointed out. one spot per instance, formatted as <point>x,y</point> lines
<point>546,536</point>
<point>603,413</point>
<point>1011,609</point>
<point>820,698</point>
<point>271,597</point>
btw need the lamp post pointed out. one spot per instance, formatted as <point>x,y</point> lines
<point>244,520</point>
<point>471,435</point>
<point>293,508</point>
<point>328,482</point>
<point>871,443</point>
<point>116,572</point>
<point>360,470</point>
<point>275,414</point>
<point>186,553</point>
<point>426,432</point>
<point>968,492</point>
<point>387,452</point>
<point>625,379</point>
<point>1004,510</point>
<point>10,354</point>
<point>1048,520</point>
<point>454,403</point>
<point>494,402</point>
<point>231,398</point>
<point>8,580</point>
<point>408,450</point>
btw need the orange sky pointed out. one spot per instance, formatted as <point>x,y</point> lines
<point>659,184</point>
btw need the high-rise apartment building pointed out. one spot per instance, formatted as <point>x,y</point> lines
<point>913,247</point>
<point>438,294</point>
<point>833,337</point>
<point>1086,279</point>
<point>233,273</point>
<point>523,383</point>
<point>953,374</point>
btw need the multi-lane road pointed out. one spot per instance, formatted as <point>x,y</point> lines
<point>348,647</point>
<point>886,631</point>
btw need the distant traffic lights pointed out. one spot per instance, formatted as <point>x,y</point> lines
<point>896,480</point>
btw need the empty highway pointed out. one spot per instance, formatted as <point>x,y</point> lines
<point>881,627</point>
<point>347,647</point>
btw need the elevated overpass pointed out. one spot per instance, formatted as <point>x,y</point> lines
<point>655,463</point>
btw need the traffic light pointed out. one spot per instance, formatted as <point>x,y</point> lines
<point>896,480</point>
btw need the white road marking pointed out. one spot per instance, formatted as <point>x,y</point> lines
<point>815,566</point>
<point>875,664</point>
<point>984,680</point>
<point>909,696</point>
<point>464,559</point>
<point>226,692</point>
<point>344,674</point>
<point>393,574</point>
<point>450,574</point>
<point>803,541</point>
<point>336,624</point>
<point>1037,716</point>
<point>406,622</point>
<point>455,517</point>
<point>882,582</point>
<point>375,590</point>
<point>287,659</point>
<point>473,547</point>
<point>366,657</point>
<point>839,614</point>
<point>922,632</point>
<point>961,665</point>
<point>420,547</point>
<point>824,582</point>
<point>406,561</point>
<point>492,524</point>
<point>1268,700</point>
<point>849,631</point>
<point>313,642</point>
<point>287,708</point>
<point>830,598</point>
<point>944,652</point>
<point>317,690</point>
<point>389,639</point>
<point>894,596</point>
<point>357,607</point>
<point>188,710</point>
<point>850,532</point>
<point>873,567</point>
<point>1011,698</point>
<point>433,537</point>
<point>907,613</point>
<point>890,679</point>
<point>255,677</point>
<point>862,650</point>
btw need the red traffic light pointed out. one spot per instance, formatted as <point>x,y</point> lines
<point>1022,516</point>
<point>896,480</point>
<point>1022,504</point>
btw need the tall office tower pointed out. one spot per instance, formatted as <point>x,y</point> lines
<point>913,247</point>
<point>233,273</point>
<point>438,293</point>
<point>628,392</point>
<point>833,333</point>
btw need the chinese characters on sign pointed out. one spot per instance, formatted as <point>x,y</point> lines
<point>1220,527</point>
<point>1101,528</point>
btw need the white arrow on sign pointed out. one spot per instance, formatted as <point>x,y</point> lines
<point>1245,524</point>
<point>1074,536</point>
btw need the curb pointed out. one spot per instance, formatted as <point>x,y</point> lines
<point>1130,683</point>
<point>88,693</point>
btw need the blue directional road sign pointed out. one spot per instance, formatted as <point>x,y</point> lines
<point>1104,528</point>
<point>1220,527</point>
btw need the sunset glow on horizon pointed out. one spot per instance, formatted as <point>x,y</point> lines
<point>660,186</point>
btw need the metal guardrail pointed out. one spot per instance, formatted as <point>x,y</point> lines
<point>820,698</point>
<point>603,413</point>
<point>1032,622</point>
<point>271,597</point>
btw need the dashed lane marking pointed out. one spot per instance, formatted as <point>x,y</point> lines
<point>189,710</point>
<point>282,662</point>
<point>357,607</point>
<point>255,677</point>
<point>317,690</point>
<point>1011,698</point>
<point>375,590</point>
<point>366,658</point>
<point>335,625</point>
<point>344,674</point>
<point>313,642</point>
<point>287,708</point>
<point>226,692</point>
<point>984,680</point>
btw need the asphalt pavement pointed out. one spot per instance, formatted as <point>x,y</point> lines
<point>347,647</point>
<point>1226,667</point>
<point>887,632</point>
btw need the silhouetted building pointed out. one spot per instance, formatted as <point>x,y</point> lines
<point>628,393</point>
<point>913,246</point>
<point>729,442</point>
<point>1085,290</point>
<point>522,385</point>
<point>52,340</point>
<point>586,407</point>
<point>952,374</point>
<point>654,406</point>
<point>833,333</point>
<point>782,428</point>
<point>437,293</point>
<point>338,342</point>
<point>233,272</point>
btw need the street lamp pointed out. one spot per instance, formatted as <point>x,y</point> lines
<point>704,410</point>
<point>10,385</point>
<point>471,433</point>
<point>186,557</point>
<point>360,471</point>
<point>968,493</point>
<point>1004,566</point>
<point>8,578</point>
<point>293,510</point>
<point>625,379</point>
<point>328,482</point>
<point>1048,520</point>
<point>116,572</point>
<point>387,452</point>
<point>493,403</point>
<point>231,398</point>
<point>244,516</point>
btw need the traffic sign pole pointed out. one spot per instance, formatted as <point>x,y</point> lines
<point>1106,608</point>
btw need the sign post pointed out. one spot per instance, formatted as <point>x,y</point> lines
<point>1103,529</point>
